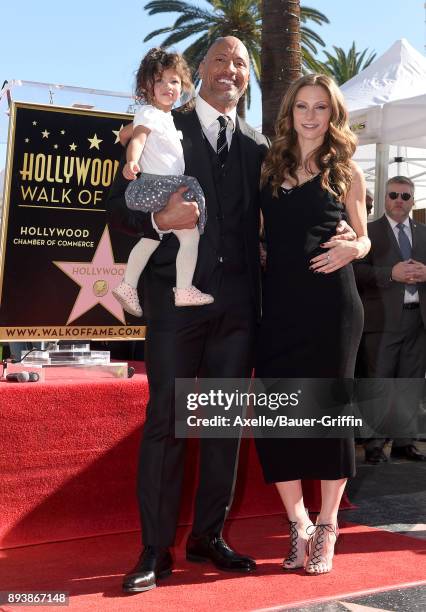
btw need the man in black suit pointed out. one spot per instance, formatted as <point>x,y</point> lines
<point>392,284</point>
<point>209,341</point>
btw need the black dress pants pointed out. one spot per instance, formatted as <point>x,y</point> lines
<point>398,355</point>
<point>207,341</point>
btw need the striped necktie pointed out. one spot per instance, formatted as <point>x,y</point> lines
<point>405,248</point>
<point>222,143</point>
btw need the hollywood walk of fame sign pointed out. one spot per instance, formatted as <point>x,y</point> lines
<point>59,260</point>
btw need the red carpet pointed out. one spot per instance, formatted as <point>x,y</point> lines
<point>69,517</point>
<point>91,569</point>
<point>68,454</point>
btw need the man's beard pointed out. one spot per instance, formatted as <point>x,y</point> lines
<point>231,96</point>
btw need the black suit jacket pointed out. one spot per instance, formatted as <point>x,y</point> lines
<point>160,273</point>
<point>382,297</point>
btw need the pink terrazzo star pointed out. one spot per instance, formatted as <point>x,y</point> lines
<point>96,279</point>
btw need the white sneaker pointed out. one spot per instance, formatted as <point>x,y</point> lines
<point>191,297</point>
<point>128,298</point>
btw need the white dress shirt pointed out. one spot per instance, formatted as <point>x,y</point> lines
<point>209,123</point>
<point>408,297</point>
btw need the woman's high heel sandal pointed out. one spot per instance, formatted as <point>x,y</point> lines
<point>297,552</point>
<point>320,548</point>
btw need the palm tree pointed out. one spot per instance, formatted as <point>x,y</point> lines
<point>281,55</point>
<point>241,18</point>
<point>343,66</point>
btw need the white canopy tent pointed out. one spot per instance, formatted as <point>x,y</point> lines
<point>387,105</point>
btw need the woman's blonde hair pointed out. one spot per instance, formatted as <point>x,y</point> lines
<point>332,157</point>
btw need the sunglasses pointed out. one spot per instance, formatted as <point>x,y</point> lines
<point>404,195</point>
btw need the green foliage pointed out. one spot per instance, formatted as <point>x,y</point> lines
<point>343,66</point>
<point>240,18</point>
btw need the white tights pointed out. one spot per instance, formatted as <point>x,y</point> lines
<point>186,259</point>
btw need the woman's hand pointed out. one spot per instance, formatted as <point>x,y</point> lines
<point>339,254</point>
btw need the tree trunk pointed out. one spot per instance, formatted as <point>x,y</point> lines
<point>281,56</point>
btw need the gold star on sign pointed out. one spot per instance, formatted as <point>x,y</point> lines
<point>45,134</point>
<point>73,147</point>
<point>55,146</point>
<point>116,134</point>
<point>94,142</point>
<point>34,122</point>
<point>62,132</point>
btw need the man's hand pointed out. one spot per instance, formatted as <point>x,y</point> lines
<point>343,232</point>
<point>125,134</point>
<point>418,271</point>
<point>263,255</point>
<point>409,272</point>
<point>178,213</point>
<point>130,170</point>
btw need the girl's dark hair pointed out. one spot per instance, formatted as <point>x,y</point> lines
<point>153,64</point>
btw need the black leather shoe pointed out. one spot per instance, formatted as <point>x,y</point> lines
<point>375,456</point>
<point>410,452</point>
<point>154,563</point>
<point>216,550</point>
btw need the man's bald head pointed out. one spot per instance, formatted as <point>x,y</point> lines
<point>230,42</point>
<point>225,73</point>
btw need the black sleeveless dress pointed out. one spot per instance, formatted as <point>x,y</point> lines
<point>311,323</point>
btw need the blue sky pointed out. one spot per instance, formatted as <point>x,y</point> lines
<point>99,43</point>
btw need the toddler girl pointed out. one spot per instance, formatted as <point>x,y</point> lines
<point>155,149</point>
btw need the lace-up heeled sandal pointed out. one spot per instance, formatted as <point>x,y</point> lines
<point>320,548</point>
<point>297,553</point>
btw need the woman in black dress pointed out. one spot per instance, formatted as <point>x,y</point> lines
<point>312,315</point>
